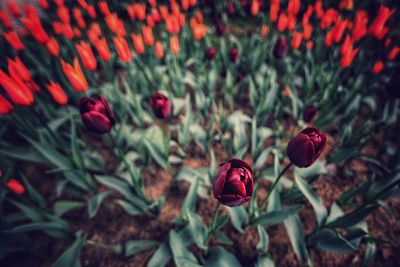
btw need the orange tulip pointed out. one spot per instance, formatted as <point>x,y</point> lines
<point>63,14</point>
<point>35,27</point>
<point>16,68</point>
<point>155,15</point>
<point>150,21</point>
<point>153,3</point>
<point>291,22</point>
<point>102,48</point>
<point>13,39</point>
<point>67,31</point>
<point>5,106</point>
<point>83,4</point>
<point>307,31</point>
<point>79,18</point>
<point>293,7</point>
<point>393,53</point>
<point>14,8</point>
<point>174,44</point>
<point>164,12</point>
<point>75,75</point>
<point>193,2</point>
<point>255,7</point>
<point>131,11</point>
<point>115,24</point>
<point>15,186</point>
<point>159,48</point>
<point>91,11</point>
<point>282,22</point>
<point>296,40</point>
<point>57,93</point>
<point>378,67</point>
<point>274,10</point>
<point>17,90</point>
<point>185,4</point>
<point>174,8</point>
<point>388,41</point>
<point>148,35</point>
<point>319,9</point>
<point>122,49</point>
<point>329,17</point>
<point>310,44</point>
<point>138,43</point>
<point>264,30</point>
<point>140,10</point>
<point>86,53</point>
<point>377,28</point>
<point>103,6</point>
<point>199,31</point>
<point>52,47</point>
<point>346,4</point>
<point>286,91</point>
<point>59,2</point>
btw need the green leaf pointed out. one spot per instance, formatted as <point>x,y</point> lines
<point>353,217</point>
<point>276,216</point>
<point>157,154</point>
<point>52,155</point>
<point>95,202</point>
<point>63,206</point>
<point>264,261</point>
<point>239,217</point>
<point>76,155</point>
<point>219,257</point>
<point>54,229</point>
<point>133,247</point>
<point>24,155</point>
<point>189,204</point>
<point>264,240</point>
<point>317,168</point>
<point>369,255</point>
<point>182,256</point>
<point>128,207</point>
<point>296,237</point>
<point>222,238</point>
<point>329,240</point>
<point>197,229</point>
<point>70,257</point>
<point>33,193</point>
<point>314,199</point>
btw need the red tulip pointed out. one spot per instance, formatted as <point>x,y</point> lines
<point>264,30</point>
<point>338,30</point>
<point>348,52</point>
<point>14,8</point>
<point>378,67</point>
<point>360,25</point>
<point>282,22</point>
<point>102,48</point>
<point>57,93</point>
<point>103,6</point>
<point>63,14</point>
<point>115,24</point>
<point>159,49</point>
<point>96,114</point>
<point>13,39</point>
<point>5,106</point>
<point>310,44</point>
<point>16,68</point>
<point>346,4</point>
<point>274,10</point>
<point>52,47</point>
<point>309,114</point>
<point>138,43</point>
<point>79,18</point>
<point>91,11</point>
<point>280,48</point>
<point>35,27</point>
<point>148,35</point>
<point>75,75</point>
<point>86,54</point>
<point>17,90</point>
<point>293,7</point>
<point>296,40</point>
<point>211,53</point>
<point>306,147</point>
<point>255,7</point>
<point>291,22</point>
<point>15,186</point>
<point>161,105</point>
<point>307,31</point>
<point>377,28</point>
<point>393,53</point>
<point>5,19</point>
<point>233,54</point>
<point>319,9</point>
<point>122,49</point>
<point>234,184</point>
<point>43,4</point>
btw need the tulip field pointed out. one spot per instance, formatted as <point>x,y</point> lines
<point>199,133</point>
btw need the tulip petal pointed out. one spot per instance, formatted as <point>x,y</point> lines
<point>300,150</point>
<point>96,122</point>
<point>238,163</point>
<point>233,200</point>
<point>235,182</point>
<point>219,181</point>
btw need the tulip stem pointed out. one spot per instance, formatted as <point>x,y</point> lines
<point>122,157</point>
<point>274,184</point>
<point>214,219</point>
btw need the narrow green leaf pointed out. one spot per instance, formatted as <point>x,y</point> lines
<point>239,217</point>
<point>219,257</point>
<point>133,247</point>
<point>95,202</point>
<point>63,206</point>
<point>296,237</point>
<point>276,216</point>
<point>70,257</point>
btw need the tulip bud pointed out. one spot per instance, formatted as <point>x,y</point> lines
<point>15,186</point>
<point>96,114</point>
<point>210,53</point>
<point>280,48</point>
<point>230,7</point>
<point>306,147</point>
<point>161,105</point>
<point>234,184</point>
<point>219,26</point>
<point>234,54</point>
<point>309,114</point>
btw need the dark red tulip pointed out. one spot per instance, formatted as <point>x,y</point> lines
<point>306,147</point>
<point>234,184</point>
<point>280,48</point>
<point>230,7</point>
<point>210,53</point>
<point>161,105</point>
<point>234,54</point>
<point>219,25</point>
<point>96,114</point>
<point>309,113</point>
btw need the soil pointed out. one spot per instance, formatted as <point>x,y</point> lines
<point>112,225</point>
